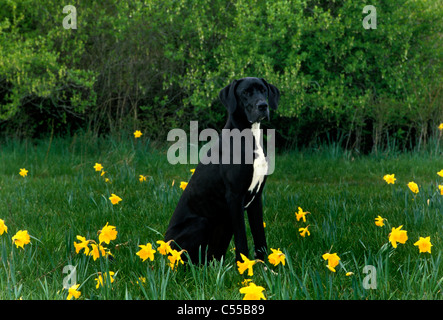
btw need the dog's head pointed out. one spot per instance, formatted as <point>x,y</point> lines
<point>250,98</point>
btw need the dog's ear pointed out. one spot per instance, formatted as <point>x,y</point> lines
<point>227,96</point>
<point>273,94</point>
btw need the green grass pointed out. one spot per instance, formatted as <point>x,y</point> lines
<point>63,197</point>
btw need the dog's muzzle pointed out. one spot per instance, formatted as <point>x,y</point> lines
<point>263,110</point>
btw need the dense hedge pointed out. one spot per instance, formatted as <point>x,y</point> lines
<point>159,64</point>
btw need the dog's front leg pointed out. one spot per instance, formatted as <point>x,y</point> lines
<point>255,217</point>
<point>237,217</point>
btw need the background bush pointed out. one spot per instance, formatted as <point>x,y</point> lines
<point>159,64</point>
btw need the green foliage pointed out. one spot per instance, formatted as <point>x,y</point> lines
<point>159,64</point>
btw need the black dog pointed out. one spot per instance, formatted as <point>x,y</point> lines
<point>211,208</point>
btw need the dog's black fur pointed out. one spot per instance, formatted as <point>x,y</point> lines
<point>211,208</point>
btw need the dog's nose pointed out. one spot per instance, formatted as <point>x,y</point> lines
<point>262,106</point>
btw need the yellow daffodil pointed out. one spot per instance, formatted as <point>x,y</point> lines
<point>73,292</point>
<point>413,187</point>
<point>252,292</point>
<point>398,235</point>
<point>193,170</point>
<point>146,252</point>
<point>23,172</point>
<point>389,178</point>
<point>379,221</point>
<point>301,214</point>
<point>175,258</point>
<point>440,187</point>
<point>83,244</point>
<point>3,227</point>
<point>183,185</point>
<point>440,173</point>
<point>142,178</point>
<point>98,251</point>
<point>424,244</point>
<point>440,127</point>
<point>348,274</point>
<point>102,173</point>
<point>137,134</point>
<point>246,264</point>
<point>333,260</point>
<point>304,231</point>
<point>164,248</point>
<point>100,280</point>
<point>142,280</point>
<point>115,199</point>
<point>277,257</point>
<point>107,234</point>
<point>21,238</point>
<point>98,167</point>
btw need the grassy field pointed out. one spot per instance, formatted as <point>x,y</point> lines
<point>62,196</point>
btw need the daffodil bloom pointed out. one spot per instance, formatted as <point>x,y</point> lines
<point>413,187</point>
<point>23,172</point>
<point>193,170</point>
<point>183,185</point>
<point>389,178</point>
<point>98,251</point>
<point>252,292</point>
<point>102,173</point>
<point>246,264</point>
<point>73,292</point>
<point>107,234</point>
<point>348,274</point>
<point>98,167</point>
<point>333,260</point>
<point>137,134</point>
<point>440,173</point>
<point>440,127</point>
<point>440,187</point>
<point>164,248</point>
<point>424,244</point>
<point>379,221</point>
<point>115,199</point>
<point>301,214</point>
<point>21,238</point>
<point>398,235</point>
<point>3,227</point>
<point>142,178</point>
<point>146,252</point>
<point>83,244</point>
<point>142,279</point>
<point>100,279</point>
<point>175,258</point>
<point>277,257</point>
<point>304,231</point>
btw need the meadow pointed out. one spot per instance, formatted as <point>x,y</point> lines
<point>62,196</point>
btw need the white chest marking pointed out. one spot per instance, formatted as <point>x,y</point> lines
<point>260,164</point>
